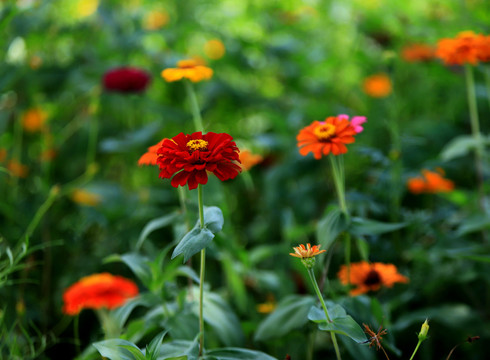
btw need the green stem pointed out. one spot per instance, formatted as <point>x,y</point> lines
<point>109,325</point>
<point>196,112</point>
<point>92,140</point>
<point>201,275</point>
<point>486,71</point>
<point>338,176</point>
<point>53,193</point>
<point>347,255</point>
<point>475,130</point>
<point>76,333</point>
<point>320,297</point>
<point>416,348</point>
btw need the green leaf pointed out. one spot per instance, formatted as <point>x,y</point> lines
<point>362,226</point>
<point>461,146</point>
<point>137,263</point>
<point>340,323</point>
<point>198,239</point>
<point>118,349</point>
<point>193,242</point>
<point>213,219</point>
<point>473,223</point>
<point>236,354</point>
<point>152,348</point>
<point>330,227</point>
<point>180,349</point>
<point>291,313</point>
<point>121,314</point>
<point>156,224</point>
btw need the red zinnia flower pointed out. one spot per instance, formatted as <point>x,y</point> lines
<point>323,137</point>
<point>126,80</point>
<point>98,291</point>
<point>186,158</point>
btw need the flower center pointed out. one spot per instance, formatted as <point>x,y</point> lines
<point>324,131</point>
<point>372,278</point>
<point>198,144</point>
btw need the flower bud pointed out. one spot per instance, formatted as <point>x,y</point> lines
<point>309,263</point>
<point>423,331</point>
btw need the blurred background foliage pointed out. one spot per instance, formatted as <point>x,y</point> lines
<point>278,65</point>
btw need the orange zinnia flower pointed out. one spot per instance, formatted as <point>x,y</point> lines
<point>378,86</point>
<point>17,169</point>
<point>417,52</point>
<point>191,69</point>
<point>430,182</point>
<point>249,160</point>
<point>369,276</point>
<point>466,48</point>
<point>33,120</point>
<point>309,251</point>
<point>323,137</point>
<point>98,291</point>
<point>150,157</point>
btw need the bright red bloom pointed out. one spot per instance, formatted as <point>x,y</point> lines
<point>98,291</point>
<point>323,137</point>
<point>186,158</point>
<point>126,80</point>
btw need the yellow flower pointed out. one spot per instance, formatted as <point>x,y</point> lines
<point>84,197</point>
<point>33,120</point>
<point>192,69</point>
<point>87,7</point>
<point>378,86</point>
<point>214,49</point>
<point>155,19</point>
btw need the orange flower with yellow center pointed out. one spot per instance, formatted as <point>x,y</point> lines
<point>191,69</point>
<point>466,48</point>
<point>98,291</point>
<point>325,137</point>
<point>377,86</point>
<point>369,276</point>
<point>309,251</point>
<point>431,182</point>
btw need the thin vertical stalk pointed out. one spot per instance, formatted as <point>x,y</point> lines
<point>347,255</point>
<point>76,333</point>
<point>475,130</point>
<point>201,275</point>
<point>196,112</point>
<point>92,140</point>
<point>486,71</point>
<point>415,351</point>
<point>338,177</point>
<point>320,297</point>
<point>53,193</point>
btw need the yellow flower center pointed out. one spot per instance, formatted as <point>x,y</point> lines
<point>198,144</point>
<point>324,131</point>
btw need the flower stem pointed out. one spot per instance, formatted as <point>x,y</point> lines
<point>338,177</point>
<point>416,348</point>
<point>92,140</point>
<point>475,129</point>
<point>196,112</point>
<point>201,275</point>
<point>76,333</point>
<point>53,193</point>
<point>320,297</point>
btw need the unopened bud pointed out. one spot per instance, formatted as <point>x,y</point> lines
<point>423,331</point>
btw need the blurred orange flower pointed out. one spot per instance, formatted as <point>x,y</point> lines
<point>33,120</point>
<point>249,159</point>
<point>466,48</point>
<point>155,19</point>
<point>430,182</point>
<point>309,251</point>
<point>267,307</point>
<point>98,291</point>
<point>417,52</point>
<point>378,85</point>
<point>48,155</point>
<point>192,69</point>
<point>150,157</point>
<point>17,169</point>
<point>369,276</point>
<point>84,197</point>
<point>214,49</point>
<point>323,137</point>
